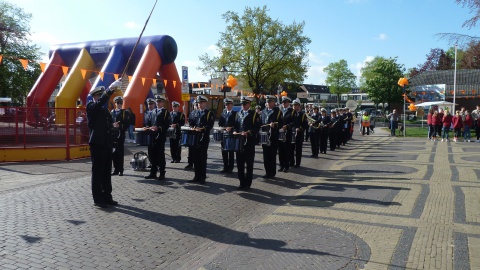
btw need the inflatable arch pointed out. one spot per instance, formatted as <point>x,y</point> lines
<point>153,54</point>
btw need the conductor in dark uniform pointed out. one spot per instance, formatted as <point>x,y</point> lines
<point>247,124</point>
<point>178,120</point>
<point>203,125</point>
<point>299,128</point>
<point>100,126</point>
<point>119,116</point>
<point>284,147</point>
<point>159,122</point>
<point>272,119</point>
<point>227,119</point>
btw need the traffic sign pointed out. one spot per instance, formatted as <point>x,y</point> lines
<point>185,97</point>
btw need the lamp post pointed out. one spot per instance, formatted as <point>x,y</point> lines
<point>279,91</point>
<point>403,82</point>
<point>224,73</point>
<point>454,81</point>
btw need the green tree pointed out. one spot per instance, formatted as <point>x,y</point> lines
<point>15,81</point>
<point>379,80</point>
<point>339,79</point>
<point>474,7</point>
<point>262,52</point>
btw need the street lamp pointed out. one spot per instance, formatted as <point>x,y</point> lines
<point>403,82</point>
<point>225,87</point>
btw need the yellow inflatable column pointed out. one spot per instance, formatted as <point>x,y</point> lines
<point>73,86</point>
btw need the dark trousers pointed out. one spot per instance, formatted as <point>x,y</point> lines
<point>190,157</point>
<point>200,160</point>
<point>439,130</point>
<point>314,140</point>
<point>477,132</point>
<point>228,159</point>
<point>339,140</point>
<point>156,154</point>
<point>323,140</point>
<point>270,158</point>
<point>333,139</point>
<point>246,157</point>
<point>367,129</point>
<point>175,149</point>
<point>101,157</point>
<point>118,155</point>
<point>346,134</point>
<point>284,153</point>
<point>296,150</point>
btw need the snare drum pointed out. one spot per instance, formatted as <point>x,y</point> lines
<point>145,138</point>
<point>171,133</point>
<point>282,135</point>
<point>263,137</point>
<point>218,134</point>
<point>189,138</point>
<point>233,143</point>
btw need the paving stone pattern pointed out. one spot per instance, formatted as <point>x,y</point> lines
<point>379,202</point>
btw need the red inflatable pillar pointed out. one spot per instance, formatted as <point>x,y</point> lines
<point>173,88</point>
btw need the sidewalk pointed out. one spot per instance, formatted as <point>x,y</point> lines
<point>380,202</point>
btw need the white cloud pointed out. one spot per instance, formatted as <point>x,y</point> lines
<point>381,36</point>
<point>45,40</point>
<point>357,67</point>
<point>132,25</point>
<point>212,50</point>
<point>315,73</point>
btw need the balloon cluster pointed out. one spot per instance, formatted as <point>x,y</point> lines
<point>412,107</point>
<point>232,81</point>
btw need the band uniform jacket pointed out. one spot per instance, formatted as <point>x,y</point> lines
<point>300,121</point>
<point>326,120</point>
<point>100,122</point>
<point>270,116</point>
<point>205,120</point>
<point>162,121</point>
<point>178,118</point>
<point>249,122</point>
<point>289,121</point>
<point>227,119</point>
<point>121,116</point>
<point>317,117</point>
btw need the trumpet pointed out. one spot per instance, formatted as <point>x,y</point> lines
<point>312,121</point>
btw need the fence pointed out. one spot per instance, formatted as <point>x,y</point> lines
<point>28,134</point>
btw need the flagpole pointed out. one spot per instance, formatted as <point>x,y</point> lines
<point>454,81</point>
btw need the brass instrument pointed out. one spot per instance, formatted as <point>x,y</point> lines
<point>311,120</point>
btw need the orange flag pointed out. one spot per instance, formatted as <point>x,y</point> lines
<point>154,82</point>
<point>174,84</point>
<point>24,63</point>
<point>143,81</point>
<point>129,78</point>
<point>165,82</point>
<point>65,70</point>
<point>198,85</point>
<point>192,84</point>
<point>1,56</point>
<point>115,76</point>
<point>42,66</point>
<point>101,74</point>
<point>84,72</point>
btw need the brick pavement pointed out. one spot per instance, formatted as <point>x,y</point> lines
<point>378,203</point>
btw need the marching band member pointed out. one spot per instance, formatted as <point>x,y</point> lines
<point>284,146</point>
<point>300,125</point>
<point>349,124</point>
<point>247,123</point>
<point>159,122</point>
<point>333,127</point>
<point>205,121</point>
<point>313,131</point>
<point>324,131</point>
<point>227,119</point>
<point>272,119</point>
<point>192,120</point>
<point>340,127</point>
<point>178,120</point>
<point>119,116</point>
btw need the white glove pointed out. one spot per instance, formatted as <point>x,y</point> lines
<point>116,85</point>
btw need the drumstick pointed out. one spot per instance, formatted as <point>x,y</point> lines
<point>269,124</point>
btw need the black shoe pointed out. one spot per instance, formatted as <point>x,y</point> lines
<point>101,205</point>
<point>161,177</point>
<point>173,161</point>
<point>246,188</point>
<point>194,180</point>
<point>120,174</point>
<point>202,182</point>
<point>240,188</point>
<point>265,176</point>
<point>223,171</point>
<point>150,176</point>
<point>189,166</point>
<point>271,177</point>
<point>296,166</point>
<point>177,161</point>
<point>112,202</point>
<point>115,173</point>
<point>312,155</point>
<point>281,169</point>
<point>285,170</point>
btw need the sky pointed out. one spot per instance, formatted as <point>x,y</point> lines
<point>353,30</point>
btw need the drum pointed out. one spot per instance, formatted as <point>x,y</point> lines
<point>282,135</point>
<point>233,143</point>
<point>171,133</point>
<point>218,134</point>
<point>189,138</point>
<point>145,138</point>
<point>263,137</point>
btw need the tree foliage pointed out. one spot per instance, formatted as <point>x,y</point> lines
<point>474,7</point>
<point>339,79</point>
<point>379,79</point>
<point>15,81</point>
<point>437,59</point>
<point>262,52</point>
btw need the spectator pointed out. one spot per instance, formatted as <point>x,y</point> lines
<point>435,125</point>
<point>457,125</point>
<point>446,122</point>
<point>131,124</point>
<point>439,122</point>
<point>393,117</point>
<point>431,128</point>
<point>467,124</point>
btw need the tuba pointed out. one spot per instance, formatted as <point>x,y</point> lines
<point>311,120</point>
